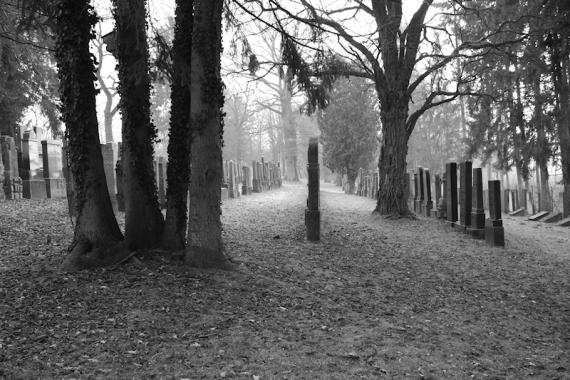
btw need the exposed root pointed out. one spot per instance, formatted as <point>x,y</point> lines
<point>200,257</point>
<point>84,255</point>
<point>404,214</point>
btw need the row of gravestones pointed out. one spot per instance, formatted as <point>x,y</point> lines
<point>366,184</point>
<point>240,179</point>
<point>462,207</point>
<point>33,172</point>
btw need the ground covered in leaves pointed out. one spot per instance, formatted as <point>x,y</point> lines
<point>375,298</point>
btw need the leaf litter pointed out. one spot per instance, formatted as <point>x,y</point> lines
<point>374,298</point>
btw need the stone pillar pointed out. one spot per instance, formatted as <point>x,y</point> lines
<point>69,184</point>
<point>231,180</point>
<point>451,187</point>
<point>442,203</point>
<point>32,167</point>
<point>312,213</point>
<point>161,185</point>
<point>256,188</point>
<point>421,189</point>
<point>477,228</point>
<point>465,193</point>
<point>437,191</point>
<point>110,155</point>
<point>494,232</point>
<point>416,192</point>
<point>53,169</point>
<point>12,184</point>
<point>428,203</point>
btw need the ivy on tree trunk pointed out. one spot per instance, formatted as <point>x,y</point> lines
<point>97,238</point>
<point>143,219</point>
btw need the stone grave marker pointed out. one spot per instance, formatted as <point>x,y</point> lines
<point>53,169</point>
<point>465,193</point>
<point>494,232</point>
<point>477,227</point>
<point>32,167</point>
<point>451,187</point>
<point>312,213</point>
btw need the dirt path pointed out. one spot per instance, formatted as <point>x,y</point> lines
<point>374,299</point>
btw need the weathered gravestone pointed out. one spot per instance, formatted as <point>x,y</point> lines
<point>12,184</point>
<point>465,194</point>
<point>477,228</point>
<point>53,169</point>
<point>494,232</point>
<point>312,213</point>
<point>428,203</point>
<point>442,203</point>
<point>32,167</point>
<point>416,193</point>
<point>421,189</point>
<point>451,192</point>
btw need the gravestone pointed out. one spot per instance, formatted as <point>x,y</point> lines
<point>53,169</point>
<point>12,184</point>
<point>465,193</point>
<point>232,185</point>
<point>32,167</point>
<point>421,189</point>
<point>451,188</point>
<point>428,204</point>
<point>437,186</point>
<point>410,190</point>
<point>442,203</point>
<point>494,232</point>
<point>312,213</point>
<point>256,184</point>
<point>477,228</point>
<point>67,174</point>
<point>110,155</point>
<point>416,192</point>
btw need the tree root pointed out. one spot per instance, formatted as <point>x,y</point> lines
<point>84,255</point>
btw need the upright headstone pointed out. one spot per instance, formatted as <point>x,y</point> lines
<point>410,190</point>
<point>161,186</point>
<point>312,213</point>
<point>231,180</point>
<point>416,192</point>
<point>465,191</point>
<point>451,187</point>
<point>32,167</point>
<point>256,184</point>
<point>421,189</point>
<point>437,187</point>
<point>110,155</point>
<point>428,203</point>
<point>53,169</point>
<point>494,232</point>
<point>442,203</point>
<point>69,184</point>
<point>477,228</point>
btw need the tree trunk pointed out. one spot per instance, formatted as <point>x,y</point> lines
<point>97,237</point>
<point>560,62</point>
<point>178,169</point>
<point>541,155</point>
<point>205,248</point>
<point>289,130</point>
<point>392,162</point>
<point>143,219</point>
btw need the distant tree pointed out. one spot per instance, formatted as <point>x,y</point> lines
<point>27,70</point>
<point>349,127</point>
<point>143,220</point>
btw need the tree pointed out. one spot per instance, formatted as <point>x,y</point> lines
<point>387,53</point>
<point>178,169</point>
<point>143,220</point>
<point>349,127</point>
<point>97,238</point>
<point>205,248</point>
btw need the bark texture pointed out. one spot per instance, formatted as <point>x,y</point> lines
<point>205,248</point>
<point>97,237</point>
<point>143,219</point>
<point>178,169</point>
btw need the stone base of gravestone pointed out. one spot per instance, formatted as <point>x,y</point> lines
<point>418,206</point>
<point>519,212</point>
<point>564,222</point>
<point>494,233</point>
<point>428,207</point>
<point>441,209</point>
<point>55,187</point>
<point>256,186</point>
<point>313,224</point>
<point>34,189</point>
<point>553,217</point>
<point>538,216</point>
<point>225,193</point>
